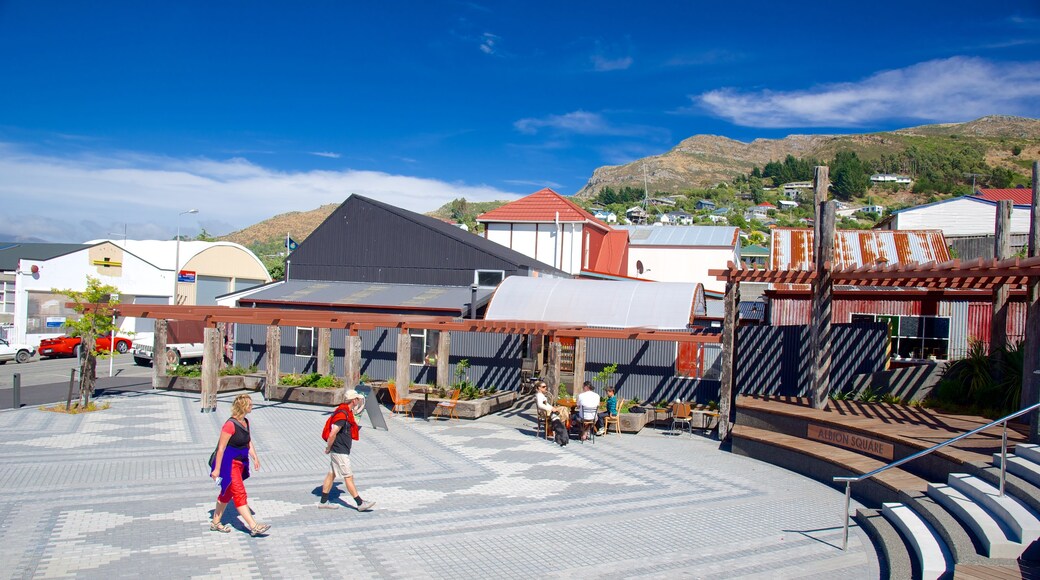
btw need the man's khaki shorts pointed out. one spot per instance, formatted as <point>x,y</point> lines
<point>341,465</point>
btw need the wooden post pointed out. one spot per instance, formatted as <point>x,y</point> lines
<point>324,346</point>
<point>1031,348</point>
<point>821,186</point>
<point>580,345</point>
<point>444,359</point>
<point>727,392</point>
<point>552,369</point>
<point>274,359</point>
<point>820,335</point>
<point>159,353</point>
<point>402,374</point>
<point>998,320</point>
<point>352,359</point>
<point>211,355</point>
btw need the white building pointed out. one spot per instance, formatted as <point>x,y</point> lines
<point>961,216</point>
<point>890,178</point>
<point>547,227</point>
<point>143,271</point>
<point>681,253</point>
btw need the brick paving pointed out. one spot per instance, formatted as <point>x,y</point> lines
<point>125,493</point>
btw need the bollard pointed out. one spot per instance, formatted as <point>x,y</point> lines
<point>16,403</point>
<point>72,380</point>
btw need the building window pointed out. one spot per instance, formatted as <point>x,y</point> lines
<point>423,346</point>
<point>488,278</point>
<point>914,337</point>
<point>7,297</point>
<point>305,342</point>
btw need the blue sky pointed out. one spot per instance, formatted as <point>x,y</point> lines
<point>120,115</point>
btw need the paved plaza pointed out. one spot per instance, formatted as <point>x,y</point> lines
<point>125,493</point>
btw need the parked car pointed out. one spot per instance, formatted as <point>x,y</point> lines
<point>176,353</point>
<point>70,345</point>
<point>14,351</point>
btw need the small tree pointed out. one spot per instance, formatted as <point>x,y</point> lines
<point>101,300</point>
<point>605,374</point>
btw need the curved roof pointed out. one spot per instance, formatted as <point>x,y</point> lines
<point>614,304</point>
<point>161,253</point>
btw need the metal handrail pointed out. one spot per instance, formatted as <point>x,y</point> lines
<point>849,480</point>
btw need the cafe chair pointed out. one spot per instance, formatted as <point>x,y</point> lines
<point>682,413</point>
<point>543,424</point>
<point>399,405</point>
<point>614,419</point>
<point>587,421</point>
<point>449,406</point>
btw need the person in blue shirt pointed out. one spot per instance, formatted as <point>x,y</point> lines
<point>610,412</point>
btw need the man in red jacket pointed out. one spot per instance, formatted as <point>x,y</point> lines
<point>343,431</point>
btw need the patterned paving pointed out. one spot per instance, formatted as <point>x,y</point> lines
<point>125,492</point>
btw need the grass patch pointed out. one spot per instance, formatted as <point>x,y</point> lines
<point>76,408</point>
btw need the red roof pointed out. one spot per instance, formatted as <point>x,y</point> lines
<point>541,206</point>
<point>1020,196</point>
<point>766,204</point>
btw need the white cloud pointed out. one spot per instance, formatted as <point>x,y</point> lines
<point>603,64</point>
<point>329,154</point>
<point>71,199</point>
<point>585,123</point>
<point>532,183</point>
<point>487,43</point>
<point>946,90</point>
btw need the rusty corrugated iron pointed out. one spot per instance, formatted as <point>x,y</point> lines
<point>792,248</point>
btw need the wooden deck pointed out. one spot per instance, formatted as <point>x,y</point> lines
<point>912,426</point>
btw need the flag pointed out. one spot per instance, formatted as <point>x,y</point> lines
<point>290,244</point>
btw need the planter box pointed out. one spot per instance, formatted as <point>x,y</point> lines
<point>326,397</point>
<point>463,410</point>
<point>633,422</point>
<point>224,384</point>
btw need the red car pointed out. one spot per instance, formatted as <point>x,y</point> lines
<point>69,346</point>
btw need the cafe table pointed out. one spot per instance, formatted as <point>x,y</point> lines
<point>425,390</point>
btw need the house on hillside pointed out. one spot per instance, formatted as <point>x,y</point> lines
<point>786,204</point>
<point>548,227</point>
<point>759,212</point>
<point>681,253</point>
<point>605,216</point>
<point>882,178</point>
<point>636,215</point>
<point>676,218</point>
<point>874,208</point>
<point>706,204</point>
<point>968,222</point>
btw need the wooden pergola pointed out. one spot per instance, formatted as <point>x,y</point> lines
<point>997,276</point>
<point>326,320</point>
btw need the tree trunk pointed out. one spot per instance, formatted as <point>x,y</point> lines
<point>87,370</point>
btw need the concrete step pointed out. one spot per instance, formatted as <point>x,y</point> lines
<point>1015,517</point>
<point>988,530</point>
<point>933,557</point>
<point>950,530</point>
<point>1029,452</point>
<point>1021,467</point>
<point>894,555</point>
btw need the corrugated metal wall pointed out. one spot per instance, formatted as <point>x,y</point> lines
<point>494,359</point>
<point>646,370</point>
<point>776,360</point>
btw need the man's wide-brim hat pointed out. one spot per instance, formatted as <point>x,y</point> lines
<point>352,394</point>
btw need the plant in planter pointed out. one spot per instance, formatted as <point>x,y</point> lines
<point>313,380</point>
<point>604,375</point>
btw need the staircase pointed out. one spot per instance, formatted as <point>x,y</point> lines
<point>930,514</point>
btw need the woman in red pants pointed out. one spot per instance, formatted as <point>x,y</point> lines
<point>231,468</point>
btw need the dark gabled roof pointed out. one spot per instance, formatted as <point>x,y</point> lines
<point>479,242</point>
<point>453,300</point>
<point>11,252</point>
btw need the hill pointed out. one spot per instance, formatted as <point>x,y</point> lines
<point>297,224</point>
<point>703,161</point>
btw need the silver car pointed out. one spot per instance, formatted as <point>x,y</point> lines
<point>13,351</point>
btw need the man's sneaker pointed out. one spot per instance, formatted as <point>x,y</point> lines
<point>328,506</point>
<point>601,432</point>
<point>366,506</point>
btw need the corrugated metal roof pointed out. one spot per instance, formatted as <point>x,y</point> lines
<point>1017,196</point>
<point>662,305</point>
<point>369,295</point>
<point>542,206</point>
<point>749,310</point>
<point>11,252</point>
<point>711,236</point>
<point>792,248</point>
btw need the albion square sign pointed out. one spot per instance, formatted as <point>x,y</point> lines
<point>851,441</point>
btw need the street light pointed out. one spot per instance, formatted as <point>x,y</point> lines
<point>177,254</point>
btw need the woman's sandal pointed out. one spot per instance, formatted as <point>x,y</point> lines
<point>224,528</point>
<point>259,529</point>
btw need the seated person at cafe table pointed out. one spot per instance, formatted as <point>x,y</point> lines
<point>588,406</point>
<point>610,412</point>
<point>542,405</point>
